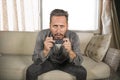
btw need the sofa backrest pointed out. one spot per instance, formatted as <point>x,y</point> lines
<point>84,37</point>
<point>23,43</point>
<point>17,42</point>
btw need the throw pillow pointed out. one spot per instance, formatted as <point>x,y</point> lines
<point>98,46</point>
<point>112,58</point>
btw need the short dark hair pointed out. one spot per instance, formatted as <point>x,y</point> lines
<point>59,12</point>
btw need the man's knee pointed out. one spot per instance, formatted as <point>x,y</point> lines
<point>32,69</point>
<point>82,71</point>
<point>29,70</point>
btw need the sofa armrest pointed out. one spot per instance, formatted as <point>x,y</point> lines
<point>112,58</point>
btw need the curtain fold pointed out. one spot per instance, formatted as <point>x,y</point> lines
<point>106,17</point>
<point>15,20</point>
<point>110,22</point>
<point>116,26</point>
<point>22,16</point>
<point>4,15</point>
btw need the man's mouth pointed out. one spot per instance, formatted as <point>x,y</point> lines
<point>58,36</point>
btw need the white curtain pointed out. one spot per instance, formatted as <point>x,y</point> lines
<point>106,17</point>
<point>110,22</point>
<point>19,15</point>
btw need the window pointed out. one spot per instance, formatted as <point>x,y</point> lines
<point>83,14</point>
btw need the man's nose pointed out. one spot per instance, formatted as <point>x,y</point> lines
<point>58,30</point>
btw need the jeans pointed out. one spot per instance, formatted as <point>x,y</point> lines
<point>35,70</point>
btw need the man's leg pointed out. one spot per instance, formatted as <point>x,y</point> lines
<point>35,70</point>
<point>78,71</point>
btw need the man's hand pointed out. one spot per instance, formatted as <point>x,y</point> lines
<point>68,47</point>
<point>48,44</point>
<point>67,44</point>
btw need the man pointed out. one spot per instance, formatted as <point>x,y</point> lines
<point>57,48</point>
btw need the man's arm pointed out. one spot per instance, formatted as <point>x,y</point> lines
<point>73,48</point>
<point>38,50</point>
<point>68,46</point>
<point>76,49</point>
<point>42,47</point>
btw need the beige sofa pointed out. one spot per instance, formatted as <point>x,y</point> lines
<point>16,49</point>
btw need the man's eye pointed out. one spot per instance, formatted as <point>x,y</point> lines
<point>62,26</point>
<point>55,26</point>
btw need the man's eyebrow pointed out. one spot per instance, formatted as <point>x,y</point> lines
<point>55,25</point>
<point>58,25</point>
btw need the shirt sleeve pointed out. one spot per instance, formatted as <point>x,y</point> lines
<point>76,49</point>
<point>38,55</point>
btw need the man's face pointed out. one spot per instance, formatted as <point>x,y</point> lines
<point>58,26</point>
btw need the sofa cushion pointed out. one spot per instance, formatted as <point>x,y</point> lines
<point>95,70</point>
<point>58,75</point>
<point>98,46</point>
<point>14,68</point>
